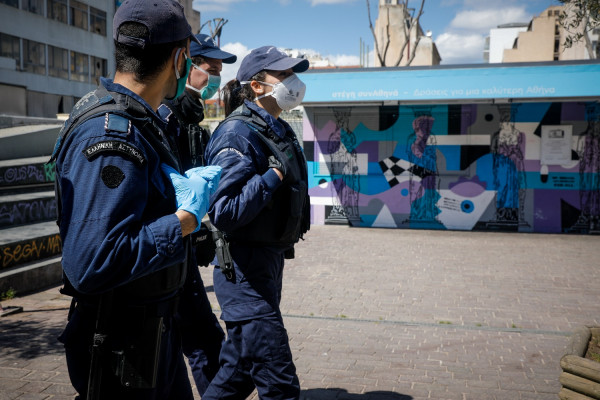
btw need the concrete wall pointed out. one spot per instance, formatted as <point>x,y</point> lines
<point>28,141</point>
<point>527,167</point>
<point>536,44</point>
<point>13,100</point>
<point>391,19</point>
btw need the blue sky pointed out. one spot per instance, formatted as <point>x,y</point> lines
<point>334,28</point>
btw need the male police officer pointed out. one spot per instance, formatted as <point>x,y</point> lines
<point>202,334</point>
<point>124,224</point>
<point>186,111</point>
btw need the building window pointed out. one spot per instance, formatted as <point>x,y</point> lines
<point>9,48</point>
<point>79,14</point>
<point>34,57</point>
<point>12,3</point>
<point>57,10</point>
<point>99,69</point>
<point>58,62</point>
<point>97,21</point>
<point>80,67</point>
<point>34,6</point>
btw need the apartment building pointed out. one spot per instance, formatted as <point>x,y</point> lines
<point>544,41</point>
<point>52,52</point>
<point>502,38</point>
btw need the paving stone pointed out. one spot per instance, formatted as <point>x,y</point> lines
<point>387,315</point>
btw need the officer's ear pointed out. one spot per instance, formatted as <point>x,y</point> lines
<point>257,87</point>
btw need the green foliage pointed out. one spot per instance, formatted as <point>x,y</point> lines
<point>9,294</point>
<point>578,19</point>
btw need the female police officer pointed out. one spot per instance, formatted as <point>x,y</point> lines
<point>262,207</point>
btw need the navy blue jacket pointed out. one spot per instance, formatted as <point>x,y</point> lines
<point>118,222</point>
<point>247,185</point>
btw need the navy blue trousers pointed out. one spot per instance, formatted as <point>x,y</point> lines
<point>201,333</point>
<point>255,354</point>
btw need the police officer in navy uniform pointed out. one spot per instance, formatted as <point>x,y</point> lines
<point>202,334</point>
<point>185,112</point>
<point>126,212</point>
<point>262,207</point>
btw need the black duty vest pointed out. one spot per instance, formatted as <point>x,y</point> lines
<point>285,219</point>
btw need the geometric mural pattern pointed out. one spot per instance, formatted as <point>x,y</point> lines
<point>463,167</point>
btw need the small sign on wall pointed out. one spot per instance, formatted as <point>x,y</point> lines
<point>556,144</point>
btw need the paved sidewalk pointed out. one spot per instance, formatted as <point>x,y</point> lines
<point>388,315</point>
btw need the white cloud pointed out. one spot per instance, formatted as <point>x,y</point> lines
<point>319,2</point>
<point>341,60</point>
<point>463,40</point>
<point>460,48</point>
<point>230,70</point>
<point>484,20</point>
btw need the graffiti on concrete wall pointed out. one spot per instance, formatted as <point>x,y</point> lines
<point>465,167</point>
<point>26,174</point>
<point>29,250</point>
<point>24,212</point>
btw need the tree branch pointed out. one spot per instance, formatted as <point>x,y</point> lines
<point>381,61</point>
<point>414,52</point>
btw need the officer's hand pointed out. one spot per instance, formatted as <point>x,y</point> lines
<point>211,173</point>
<point>191,194</point>
<point>275,164</point>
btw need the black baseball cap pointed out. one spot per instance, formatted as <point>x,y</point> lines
<point>164,19</point>
<point>207,47</point>
<point>269,58</point>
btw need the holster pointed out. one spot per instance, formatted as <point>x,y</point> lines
<point>136,363</point>
<point>223,253</point>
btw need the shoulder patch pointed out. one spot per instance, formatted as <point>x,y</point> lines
<point>226,149</point>
<point>112,146</point>
<point>112,176</point>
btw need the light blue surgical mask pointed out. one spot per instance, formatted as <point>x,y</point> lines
<point>208,91</point>
<point>181,80</point>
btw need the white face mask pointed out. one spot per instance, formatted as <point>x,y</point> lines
<point>288,93</point>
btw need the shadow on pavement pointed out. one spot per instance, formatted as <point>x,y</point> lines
<point>342,394</point>
<point>27,339</point>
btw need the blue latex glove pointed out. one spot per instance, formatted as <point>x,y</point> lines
<point>191,194</point>
<point>211,173</point>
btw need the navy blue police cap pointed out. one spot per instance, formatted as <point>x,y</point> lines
<point>269,58</point>
<point>207,47</point>
<point>164,19</point>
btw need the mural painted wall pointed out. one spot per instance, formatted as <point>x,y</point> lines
<point>526,167</point>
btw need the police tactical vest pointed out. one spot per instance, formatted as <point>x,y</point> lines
<point>286,217</point>
<point>121,111</point>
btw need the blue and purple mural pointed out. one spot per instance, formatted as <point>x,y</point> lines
<point>526,167</point>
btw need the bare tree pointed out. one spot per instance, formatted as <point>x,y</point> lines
<point>407,30</point>
<point>578,19</point>
<point>215,32</point>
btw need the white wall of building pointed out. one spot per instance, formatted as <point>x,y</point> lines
<point>501,39</point>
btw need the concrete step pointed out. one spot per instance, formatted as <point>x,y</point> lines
<point>27,208</point>
<point>28,243</point>
<point>31,277</point>
<point>28,171</point>
<point>28,141</point>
